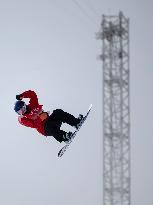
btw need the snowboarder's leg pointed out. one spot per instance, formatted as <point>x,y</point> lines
<point>59,135</point>
<point>52,128</point>
<point>65,117</point>
<point>54,131</point>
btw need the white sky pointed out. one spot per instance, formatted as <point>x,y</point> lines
<point>50,47</point>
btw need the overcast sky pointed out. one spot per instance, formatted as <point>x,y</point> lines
<point>50,47</point>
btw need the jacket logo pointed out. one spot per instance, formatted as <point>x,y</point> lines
<point>35,113</point>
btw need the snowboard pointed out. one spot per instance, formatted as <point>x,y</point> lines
<point>63,150</point>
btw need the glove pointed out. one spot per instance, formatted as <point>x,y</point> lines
<point>19,97</point>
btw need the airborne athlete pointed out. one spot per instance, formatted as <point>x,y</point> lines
<point>32,115</point>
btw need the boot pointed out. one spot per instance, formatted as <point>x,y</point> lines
<point>80,118</point>
<point>67,137</point>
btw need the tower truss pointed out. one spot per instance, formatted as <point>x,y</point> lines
<point>116,110</point>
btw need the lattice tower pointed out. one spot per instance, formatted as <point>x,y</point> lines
<point>116,110</point>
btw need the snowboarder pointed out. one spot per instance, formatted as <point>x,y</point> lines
<point>32,115</point>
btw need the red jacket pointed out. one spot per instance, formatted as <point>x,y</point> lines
<point>32,119</point>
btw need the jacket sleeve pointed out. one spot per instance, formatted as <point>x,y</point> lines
<point>33,97</point>
<point>26,122</point>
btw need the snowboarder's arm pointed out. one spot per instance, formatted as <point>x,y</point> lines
<point>26,122</point>
<point>31,95</point>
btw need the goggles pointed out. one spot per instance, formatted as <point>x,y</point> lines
<point>22,110</point>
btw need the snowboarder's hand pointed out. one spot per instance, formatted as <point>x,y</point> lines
<point>19,97</point>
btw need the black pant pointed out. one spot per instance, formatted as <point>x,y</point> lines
<point>54,122</point>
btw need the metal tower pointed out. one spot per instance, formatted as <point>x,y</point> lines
<point>116,112</point>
